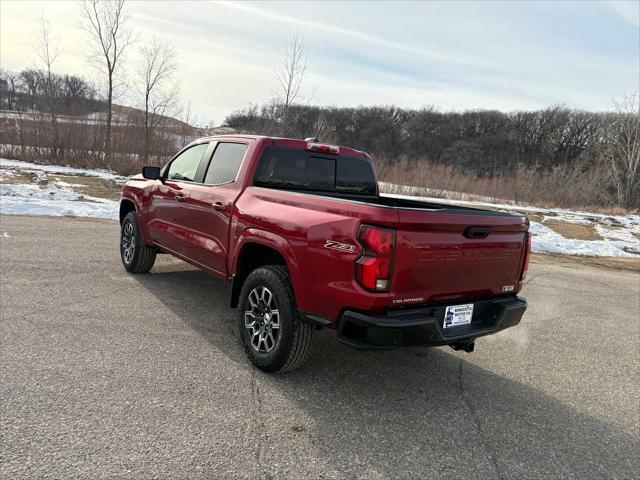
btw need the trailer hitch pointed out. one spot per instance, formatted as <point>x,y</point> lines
<point>464,345</point>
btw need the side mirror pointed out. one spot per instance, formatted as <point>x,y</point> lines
<point>151,173</point>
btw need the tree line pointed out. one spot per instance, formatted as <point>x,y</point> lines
<point>62,118</point>
<point>557,155</point>
<point>67,118</point>
<point>32,90</point>
<point>479,143</point>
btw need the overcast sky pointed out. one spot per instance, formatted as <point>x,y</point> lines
<point>456,56</point>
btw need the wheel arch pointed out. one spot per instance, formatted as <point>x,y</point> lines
<point>126,206</point>
<point>130,202</point>
<point>255,249</point>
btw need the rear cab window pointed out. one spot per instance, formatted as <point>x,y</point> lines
<point>299,169</point>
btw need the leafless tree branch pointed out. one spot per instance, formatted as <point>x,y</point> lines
<point>159,90</point>
<point>47,50</point>
<point>623,150</point>
<point>289,74</point>
<point>106,23</point>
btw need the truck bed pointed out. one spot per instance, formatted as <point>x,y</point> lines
<point>442,252</point>
<point>391,201</point>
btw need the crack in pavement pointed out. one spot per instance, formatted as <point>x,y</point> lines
<point>534,277</point>
<point>261,437</point>
<point>476,423</point>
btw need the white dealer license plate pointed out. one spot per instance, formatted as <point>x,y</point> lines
<point>458,315</point>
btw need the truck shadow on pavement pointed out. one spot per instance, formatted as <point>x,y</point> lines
<point>406,413</point>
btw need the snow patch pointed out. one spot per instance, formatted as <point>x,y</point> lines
<point>623,234</point>
<point>545,240</point>
<point>53,200</point>
<point>631,222</point>
<point>60,198</point>
<point>615,243</point>
<point>566,218</point>
<point>87,172</point>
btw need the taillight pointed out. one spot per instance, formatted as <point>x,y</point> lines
<point>527,255</point>
<point>374,267</point>
<point>323,148</point>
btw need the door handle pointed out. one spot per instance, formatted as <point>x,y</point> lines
<point>219,206</point>
<point>180,197</point>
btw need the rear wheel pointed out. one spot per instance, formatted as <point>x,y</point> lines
<point>136,256</point>
<point>274,337</point>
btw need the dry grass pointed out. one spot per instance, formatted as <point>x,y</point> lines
<point>16,179</point>
<point>94,187</point>
<point>573,230</point>
<point>565,186</point>
<point>616,211</point>
<point>535,217</point>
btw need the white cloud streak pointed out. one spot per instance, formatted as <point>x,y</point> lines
<point>453,55</point>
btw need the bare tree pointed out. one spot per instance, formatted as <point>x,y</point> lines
<point>106,23</point>
<point>186,131</point>
<point>9,89</point>
<point>47,51</point>
<point>290,72</point>
<point>623,150</point>
<point>157,70</point>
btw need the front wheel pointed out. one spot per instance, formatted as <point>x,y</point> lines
<point>274,337</point>
<point>136,256</point>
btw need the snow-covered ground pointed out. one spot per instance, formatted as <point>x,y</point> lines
<point>48,194</point>
<point>617,231</point>
<point>616,242</point>
<point>546,240</point>
<point>18,165</point>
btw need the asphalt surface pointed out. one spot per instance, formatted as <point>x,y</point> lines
<point>109,375</point>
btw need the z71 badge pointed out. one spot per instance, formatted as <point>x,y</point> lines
<point>343,247</point>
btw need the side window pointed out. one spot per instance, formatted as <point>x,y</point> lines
<point>225,163</point>
<point>185,165</point>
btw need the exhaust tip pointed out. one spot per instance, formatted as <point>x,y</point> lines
<point>466,346</point>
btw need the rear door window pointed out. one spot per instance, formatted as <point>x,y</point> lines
<point>225,163</point>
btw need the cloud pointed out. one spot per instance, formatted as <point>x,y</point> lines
<point>629,11</point>
<point>378,40</point>
<point>495,55</point>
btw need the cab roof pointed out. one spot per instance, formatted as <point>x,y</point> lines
<point>279,141</point>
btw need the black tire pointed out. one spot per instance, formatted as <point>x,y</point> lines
<point>295,337</point>
<point>142,257</point>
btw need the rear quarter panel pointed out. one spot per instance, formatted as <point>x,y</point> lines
<point>323,278</point>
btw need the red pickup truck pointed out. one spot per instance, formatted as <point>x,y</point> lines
<point>308,242</point>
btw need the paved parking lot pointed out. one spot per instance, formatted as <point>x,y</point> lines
<point>104,374</point>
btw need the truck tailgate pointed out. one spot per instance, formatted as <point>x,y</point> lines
<point>443,255</point>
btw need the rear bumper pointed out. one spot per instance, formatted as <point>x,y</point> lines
<point>423,326</point>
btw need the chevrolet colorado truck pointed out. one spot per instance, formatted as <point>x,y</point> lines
<point>308,242</point>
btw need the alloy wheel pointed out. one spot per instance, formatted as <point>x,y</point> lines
<point>128,242</point>
<point>262,320</point>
